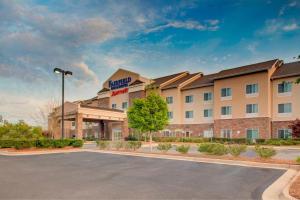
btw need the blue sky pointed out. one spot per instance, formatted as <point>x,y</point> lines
<point>153,38</point>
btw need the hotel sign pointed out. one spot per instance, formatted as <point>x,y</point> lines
<point>118,84</point>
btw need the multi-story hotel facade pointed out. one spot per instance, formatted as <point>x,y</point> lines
<point>253,101</point>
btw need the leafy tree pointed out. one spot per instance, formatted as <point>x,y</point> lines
<point>148,115</point>
<point>295,126</point>
<point>298,81</point>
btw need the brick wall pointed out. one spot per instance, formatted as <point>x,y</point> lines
<point>279,125</point>
<point>104,102</point>
<point>262,123</point>
<point>136,95</point>
<point>194,129</point>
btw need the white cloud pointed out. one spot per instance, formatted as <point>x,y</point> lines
<point>210,25</point>
<point>274,26</point>
<point>290,27</point>
<point>287,6</point>
<point>252,47</point>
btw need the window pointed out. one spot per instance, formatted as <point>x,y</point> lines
<point>189,99</point>
<point>189,114</point>
<point>170,115</point>
<point>252,89</point>
<point>252,133</point>
<point>284,133</point>
<point>169,100</point>
<point>226,110</point>
<point>225,92</point>
<point>226,133</point>
<point>284,87</point>
<point>285,108</point>
<point>207,112</point>
<point>114,106</point>
<point>207,96</point>
<point>251,108</point>
<point>124,105</point>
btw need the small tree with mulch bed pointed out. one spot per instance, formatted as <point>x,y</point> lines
<point>295,126</point>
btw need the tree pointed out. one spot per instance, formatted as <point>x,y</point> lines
<point>148,115</point>
<point>295,126</point>
<point>298,81</point>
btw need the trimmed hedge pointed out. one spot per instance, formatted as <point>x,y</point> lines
<point>42,143</point>
<point>213,148</point>
<point>127,145</point>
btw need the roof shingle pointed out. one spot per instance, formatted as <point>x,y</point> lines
<point>176,83</point>
<point>206,80</point>
<point>287,70</point>
<point>158,81</point>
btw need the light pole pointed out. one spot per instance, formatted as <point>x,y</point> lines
<point>63,73</point>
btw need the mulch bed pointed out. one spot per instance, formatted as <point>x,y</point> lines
<point>295,188</point>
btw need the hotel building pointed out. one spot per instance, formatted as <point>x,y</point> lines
<point>253,101</point>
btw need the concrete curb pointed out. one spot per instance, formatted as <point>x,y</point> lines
<point>7,153</point>
<point>286,192</point>
<point>202,160</point>
<point>277,191</point>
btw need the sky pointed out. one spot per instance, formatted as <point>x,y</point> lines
<point>153,38</point>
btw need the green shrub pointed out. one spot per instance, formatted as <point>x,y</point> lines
<point>183,149</point>
<point>213,148</point>
<point>61,143</point>
<point>77,143</point>
<point>7,143</point>
<point>133,145</point>
<point>24,144</point>
<point>118,145</point>
<point>164,147</point>
<point>260,141</point>
<point>265,152</point>
<point>131,137</point>
<point>103,144</point>
<point>280,142</point>
<point>44,143</point>
<point>236,149</point>
<point>298,160</point>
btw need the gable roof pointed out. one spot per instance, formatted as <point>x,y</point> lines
<point>203,81</point>
<point>158,81</point>
<point>136,82</point>
<point>287,70</point>
<point>104,90</point>
<point>247,69</point>
<point>176,83</point>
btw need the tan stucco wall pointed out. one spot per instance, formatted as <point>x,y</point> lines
<point>293,97</point>
<point>176,106</point>
<point>198,105</point>
<point>239,98</point>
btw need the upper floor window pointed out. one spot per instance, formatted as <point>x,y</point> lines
<point>284,133</point>
<point>284,87</point>
<point>252,89</point>
<point>285,108</point>
<point>170,115</point>
<point>189,99</point>
<point>124,105</point>
<point>189,114</point>
<point>169,100</point>
<point>207,96</point>
<point>225,92</point>
<point>114,106</point>
<point>226,133</point>
<point>251,108</point>
<point>207,112</point>
<point>226,110</point>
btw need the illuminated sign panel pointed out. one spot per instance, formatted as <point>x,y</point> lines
<point>119,83</point>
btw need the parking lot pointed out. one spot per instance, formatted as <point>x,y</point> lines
<point>88,175</point>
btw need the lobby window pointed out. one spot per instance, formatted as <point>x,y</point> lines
<point>284,87</point>
<point>207,96</point>
<point>252,108</point>
<point>207,112</point>
<point>226,92</point>
<point>114,106</point>
<point>170,115</point>
<point>285,108</point>
<point>226,133</point>
<point>189,99</point>
<point>169,100</point>
<point>285,133</point>
<point>124,105</point>
<point>252,133</point>
<point>252,89</point>
<point>189,114</point>
<point>226,110</point>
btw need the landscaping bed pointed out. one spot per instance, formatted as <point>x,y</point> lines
<point>295,188</point>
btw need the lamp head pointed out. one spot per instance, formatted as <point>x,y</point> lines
<point>58,70</point>
<point>68,73</point>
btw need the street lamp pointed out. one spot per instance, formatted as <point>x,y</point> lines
<point>63,74</point>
